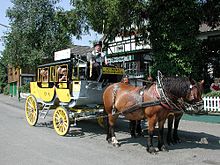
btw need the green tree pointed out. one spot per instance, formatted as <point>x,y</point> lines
<point>3,73</point>
<point>35,33</point>
<point>173,26</point>
<point>110,17</point>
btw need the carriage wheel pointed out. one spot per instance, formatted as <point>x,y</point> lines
<point>61,121</point>
<point>31,110</point>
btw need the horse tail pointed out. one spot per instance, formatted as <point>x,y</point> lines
<point>109,98</point>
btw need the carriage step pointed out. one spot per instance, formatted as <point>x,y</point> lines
<point>44,111</point>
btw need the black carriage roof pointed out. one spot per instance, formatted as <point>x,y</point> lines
<point>55,63</point>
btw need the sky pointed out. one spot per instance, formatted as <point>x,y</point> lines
<point>5,4</point>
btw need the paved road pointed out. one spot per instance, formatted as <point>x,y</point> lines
<point>21,144</point>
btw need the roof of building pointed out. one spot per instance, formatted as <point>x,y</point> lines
<point>81,50</point>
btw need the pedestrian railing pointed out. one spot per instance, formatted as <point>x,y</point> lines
<point>211,104</point>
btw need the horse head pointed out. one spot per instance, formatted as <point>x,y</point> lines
<point>196,89</point>
<point>195,102</point>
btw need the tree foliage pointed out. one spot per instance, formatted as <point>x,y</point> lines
<point>110,16</point>
<point>173,26</point>
<point>3,73</point>
<point>35,33</point>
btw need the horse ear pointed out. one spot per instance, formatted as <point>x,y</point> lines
<point>192,81</point>
<point>202,82</point>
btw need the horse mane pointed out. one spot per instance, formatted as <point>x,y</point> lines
<point>177,86</point>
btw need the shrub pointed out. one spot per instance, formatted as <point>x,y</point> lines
<point>6,90</point>
<point>213,94</point>
<point>24,88</point>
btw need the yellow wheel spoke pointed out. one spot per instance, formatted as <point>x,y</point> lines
<point>61,121</point>
<point>31,110</point>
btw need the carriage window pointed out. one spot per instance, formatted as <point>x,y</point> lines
<point>82,73</point>
<point>74,74</point>
<point>52,74</point>
<point>43,74</point>
<point>62,72</point>
<point>38,75</point>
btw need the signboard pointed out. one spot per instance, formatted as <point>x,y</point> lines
<point>110,70</point>
<point>62,54</point>
<point>121,59</point>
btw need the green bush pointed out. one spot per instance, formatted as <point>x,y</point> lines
<point>213,94</point>
<point>2,86</point>
<point>24,88</point>
<point>6,90</point>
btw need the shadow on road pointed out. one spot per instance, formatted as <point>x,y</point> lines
<point>91,129</point>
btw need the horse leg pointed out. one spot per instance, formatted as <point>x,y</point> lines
<point>135,128</point>
<point>132,126</point>
<point>151,128</point>
<point>170,119</point>
<point>176,138</point>
<point>111,138</point>
<point>108,137</point>
<point>161,145</point>
<point>138,128</point>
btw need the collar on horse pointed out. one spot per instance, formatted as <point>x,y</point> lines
<point>167,102</point>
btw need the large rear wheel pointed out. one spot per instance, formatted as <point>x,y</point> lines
<point>31,110</point>
<point>61,121</point>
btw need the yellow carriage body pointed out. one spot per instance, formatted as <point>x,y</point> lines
<point>45,94</point>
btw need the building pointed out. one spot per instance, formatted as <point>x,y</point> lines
<point>132,53</point>
<point>211,46</point>
<point>17,78</point>
<point>135,54</point>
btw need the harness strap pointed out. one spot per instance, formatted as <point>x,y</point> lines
<point>141,105</point>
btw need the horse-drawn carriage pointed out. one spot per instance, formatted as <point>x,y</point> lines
<point>68,86</point>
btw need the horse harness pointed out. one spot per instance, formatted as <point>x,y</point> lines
<point>163,100</point>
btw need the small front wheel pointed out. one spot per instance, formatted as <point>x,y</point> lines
<point>61,121</point>
<point>31,110</point>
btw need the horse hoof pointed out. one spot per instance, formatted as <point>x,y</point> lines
<point>164,148</point>
<point>133,136</point>
<point>109,141</point>
<point>151,150</point>
<point>116,144</point>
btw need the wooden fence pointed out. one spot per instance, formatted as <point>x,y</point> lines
<point>211,104</point>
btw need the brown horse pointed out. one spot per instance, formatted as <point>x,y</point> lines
<point>137,103</point>
<point>176,115</point>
